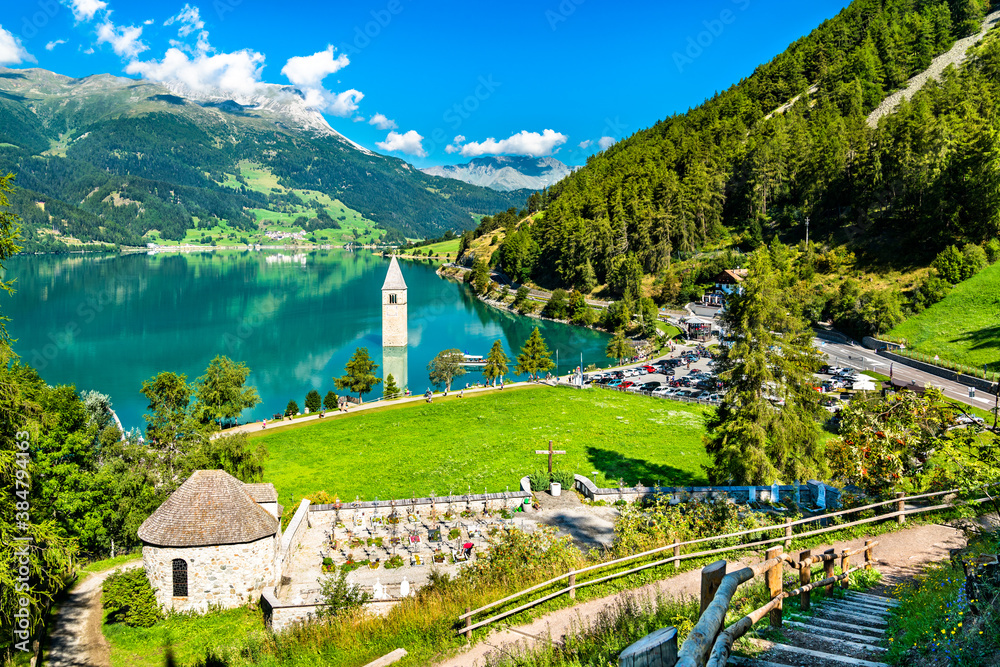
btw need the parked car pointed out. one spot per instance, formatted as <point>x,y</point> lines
<point>715,398</point>
<point>824,369</point>
<point>649,386</point>
<point>649,369</point>
<point>640,371</point>
<point>969,419</point>
<point>664,390</point>
<point>616,383</point>
<point>626,384</point>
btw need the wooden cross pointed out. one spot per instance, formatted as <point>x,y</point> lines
<point>550,452</point>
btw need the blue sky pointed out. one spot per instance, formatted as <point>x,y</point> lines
<point>407,77</point>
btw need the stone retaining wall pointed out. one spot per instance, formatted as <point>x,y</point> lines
<point>279,616</point>
<point>962,378</point>
<point>808,492</point>
<point>477,502</point>
<point>293,533</point>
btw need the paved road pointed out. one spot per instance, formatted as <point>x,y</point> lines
<point>858,357</point>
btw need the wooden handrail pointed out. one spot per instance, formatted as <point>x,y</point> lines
<point>677,558</point>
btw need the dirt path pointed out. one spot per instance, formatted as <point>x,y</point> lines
<point>900,556</point>
<point>76,639</point>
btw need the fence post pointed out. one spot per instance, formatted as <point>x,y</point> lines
<point>677,555</point>
<point>774,584</point>
<point>468,624</point>
<point>900,507</point>
<point>845,566</point>
<point>828,566</point>
<point>788,533</point>
<point>805,576</point>
<point>711,579</point>
<point>572,585</point>
<point>868,554</point>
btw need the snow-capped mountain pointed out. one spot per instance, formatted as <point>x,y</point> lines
<point>505,172</point>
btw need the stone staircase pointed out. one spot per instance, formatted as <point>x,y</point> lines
<point>840,632</point>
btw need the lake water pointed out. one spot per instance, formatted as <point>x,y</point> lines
<point>109,322</point>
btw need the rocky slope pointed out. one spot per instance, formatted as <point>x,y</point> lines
<point>505,173</point>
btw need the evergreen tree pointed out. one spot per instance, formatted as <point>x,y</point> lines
<point>446,366</point>
<point>390,390</point>
<point>535,357</point>
<point>221,392</point>
<point>480,276</point>
<point>619,348</point>
<point>359,373</point>
<point>330,401</point>
<point>291,409</point>
<point>766,429</point>
<point>313,401</point>
<point>556,305</point>
<point>520,298</point>
<point>496,363</point>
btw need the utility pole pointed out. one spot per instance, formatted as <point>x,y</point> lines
<point>807,231</point>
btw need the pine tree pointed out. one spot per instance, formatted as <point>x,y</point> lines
<point>766,429</point>
<point>619,348</point>
<point>291,409</point>
<point>330,401</point>
<point>535,357</point>
<point>390,390</point>
<point>496,363</point>
<point>313,401</point>
<point>359,373</point>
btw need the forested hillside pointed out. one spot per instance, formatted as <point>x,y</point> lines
<point>109,159</point>
<point>733,170</point>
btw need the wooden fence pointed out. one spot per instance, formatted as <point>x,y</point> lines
<point>466,623</point>
<point>708,645</point>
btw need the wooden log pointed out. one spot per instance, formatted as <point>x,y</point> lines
<point>711,579</point>
<point>468,625</point>
<point>788,533</point>
<point>724,644</point>
<point>900,507</point>
<point>845,567</point>
<point>572,585</point>
<point>805,575</point>
<point>774,584</point>
<point>677,555</point>
<point>657,649</point>
<point>828,567</point>
<point>869,557</point>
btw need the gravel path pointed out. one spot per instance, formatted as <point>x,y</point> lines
<point>900,555</point>
<point>955,56</point>
<point>76,639</point>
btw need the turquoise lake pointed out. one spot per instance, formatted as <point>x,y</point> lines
<point>108,322</point>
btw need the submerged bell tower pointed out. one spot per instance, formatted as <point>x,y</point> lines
<point>394,307</point>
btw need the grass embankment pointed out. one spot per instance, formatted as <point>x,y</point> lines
<point>488,441</point>
<point>187,637</point>
<point>964,327</point>
<point>938,622</point>
<point>447,249</point>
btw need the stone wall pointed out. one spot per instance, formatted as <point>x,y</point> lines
<point>477,502</point>
<point>962,378</point>
<point>279,616</point>
<point>224,575</point>
<point>293,533</point>
<point>807,493</point>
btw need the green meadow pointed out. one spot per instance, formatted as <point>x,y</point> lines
<point>487,441</point>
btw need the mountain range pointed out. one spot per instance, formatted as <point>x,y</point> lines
<point>506,173</point>
<point>107,158</point>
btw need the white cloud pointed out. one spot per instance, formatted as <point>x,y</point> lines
<point>456,145</point>
<point>189,18</point>
<point>381,122</point>
<point>309,71</point>
<point>522,143</point>
<point>124,40</point>
<point>358,119</point>
<point>237,72</point>
<point>84,10</point>
<point>606,142</point>
<point>584,144</point>
<point>12,52</point>
<point>409,143</point>
<point>54,44</point>
<point>148,22</point>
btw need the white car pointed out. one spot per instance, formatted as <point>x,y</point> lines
<point>969,419</point>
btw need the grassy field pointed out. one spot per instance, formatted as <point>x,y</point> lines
<point>186,636</point>
<point>964,327</point>
<point>488,441</point>
<point>449,248</point>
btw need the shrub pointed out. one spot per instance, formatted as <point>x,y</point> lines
<point>950,264</point>
<point>539,480</point>
<point>564,478</point>
<point>338,596</point>
<point>973,260</point>
<point>129,597</point>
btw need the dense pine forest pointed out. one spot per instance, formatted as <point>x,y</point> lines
<point>738,171</point>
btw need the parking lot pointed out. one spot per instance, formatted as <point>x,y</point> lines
<point>684,375</point>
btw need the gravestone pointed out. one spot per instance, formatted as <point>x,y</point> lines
<point>753,494</point>
<point>775,493</point>
<point>821,496</point>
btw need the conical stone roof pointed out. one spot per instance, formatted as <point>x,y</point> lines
<point>211,507</point>
<point>394,277</point>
